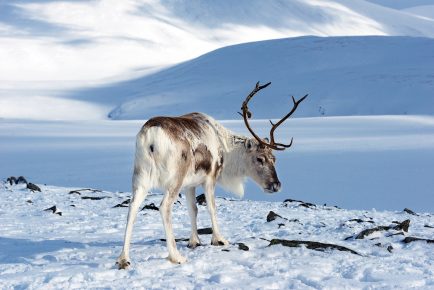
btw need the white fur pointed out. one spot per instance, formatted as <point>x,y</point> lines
<point>162,169</point>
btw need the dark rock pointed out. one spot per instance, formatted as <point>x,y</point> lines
<point>123,204</point>
<point>95,197</point>
<point>301,203</point>
<point>151,206</point>
<point>53,209</point>
<point>414,239</point>
<point>77,191</point>
<point>177,240</point>
<point>311,245</point>
<point>11,180</point>
<point>29,201</point>
<point>428,226</point>
<point>307,205</point>
<point>281,225</point>
<point>360,221</point>
<point>200,199</point>
<point>21,180</point>
<point>390,248</point>
<point>396,234</point>
<point>403,226</point>
<point>204,231</point>
<point>409,211</point>
<point>400,226</point>
<point>225,250</point>
<point>242,247</point>
<point>73,205</point>
<point>367,232</point>
<point>272,216</point>
<point>74,192</point>
<point>33,187</point>
<point>291,200</point>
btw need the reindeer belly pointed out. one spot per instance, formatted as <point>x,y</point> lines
<point>194,179</point>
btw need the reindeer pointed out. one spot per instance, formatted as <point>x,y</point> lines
<point>181,153</point>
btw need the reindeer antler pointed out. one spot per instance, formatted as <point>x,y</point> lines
<point>247,115</point>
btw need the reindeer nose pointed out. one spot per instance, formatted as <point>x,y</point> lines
<point>276,186</point>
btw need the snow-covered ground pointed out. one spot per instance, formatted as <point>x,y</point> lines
<point>382,162</point>
<point>78,249</point>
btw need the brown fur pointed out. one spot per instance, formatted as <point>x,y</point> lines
<point>203,158</point>
<point>178,127</point>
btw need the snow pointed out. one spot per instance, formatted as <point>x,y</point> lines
<point>343,75</point>
<point>78,78</point>
<point>426,11</point>
<point>55,49</point>
<point>402,4</point>
<point>78,249</point>
<point>382,162</point>
<point>50,108</point>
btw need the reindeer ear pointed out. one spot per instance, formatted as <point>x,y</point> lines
<point>250,144</point>
<point>266,140</point>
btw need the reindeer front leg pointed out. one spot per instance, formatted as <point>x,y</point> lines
<point>217,239</point>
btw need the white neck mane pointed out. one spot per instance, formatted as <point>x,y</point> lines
<point>233,173</point>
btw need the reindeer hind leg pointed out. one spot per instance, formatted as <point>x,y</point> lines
<point>192,212</point>
<point>166,214</point>
<point>140,191</point>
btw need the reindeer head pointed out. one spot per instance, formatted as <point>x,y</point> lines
<point>260,166</point>
<point>260,151</point>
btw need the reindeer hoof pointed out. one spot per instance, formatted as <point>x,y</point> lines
<point>194,245</point>
<point>123,264</point>
<point>178,259</point>
<point>219,242</point>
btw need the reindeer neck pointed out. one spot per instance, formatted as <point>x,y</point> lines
<point>235,155</point>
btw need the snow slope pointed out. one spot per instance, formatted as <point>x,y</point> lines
<point>426,11</point>
<point>76,38</point>
<point>48,48</point>
<point>78,249</point>
<point>382,162</point>
<point>343,75</point>
<point>402,4</point>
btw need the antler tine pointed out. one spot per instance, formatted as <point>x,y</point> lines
<point>247,114</point>
<point>252,93</point>
<point>280,146</point>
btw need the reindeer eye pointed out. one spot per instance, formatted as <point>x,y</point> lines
<point>260,160</point>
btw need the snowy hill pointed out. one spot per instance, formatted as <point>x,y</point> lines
<point>50,48</point>
<point>343,75</point>
<point>76,245</point>
<point>426,11</point>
